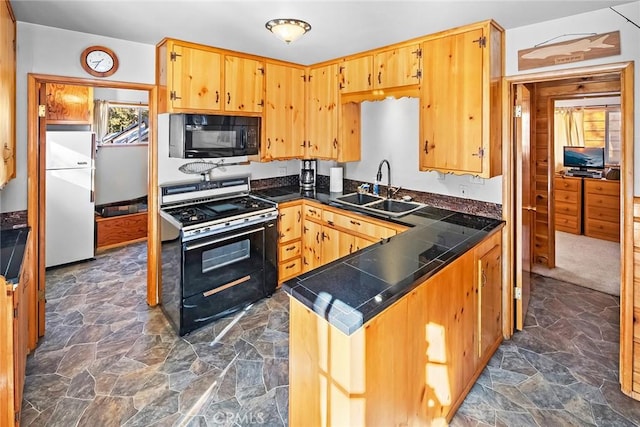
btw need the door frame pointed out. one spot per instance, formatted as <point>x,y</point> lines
<point>35,191</point>
<point>625,71</point>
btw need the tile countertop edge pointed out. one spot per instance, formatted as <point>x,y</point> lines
<point>349,319</point>
<point>17,244</point>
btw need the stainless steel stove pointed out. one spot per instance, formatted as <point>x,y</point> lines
<point>219,246</point>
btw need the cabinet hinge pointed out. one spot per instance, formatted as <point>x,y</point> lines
<point>517,293</point>
<point>480,152</point>
<point>261,71</point>
<point>517,111</point>
<point>173,96</point>
<point>15,312</point>
<point>418,75</point>
<point>418,53</point>
<point>174,56</point>
<point>42,111</point>
<point>482,41</point>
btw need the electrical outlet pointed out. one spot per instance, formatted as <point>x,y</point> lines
<point>282,171</point>
<point>440,176</point>
<point>476,180</point>
<point>464,190</point>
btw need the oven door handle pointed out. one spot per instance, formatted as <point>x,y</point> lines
<point>214,241</point>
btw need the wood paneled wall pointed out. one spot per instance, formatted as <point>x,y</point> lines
<point>543,95</point>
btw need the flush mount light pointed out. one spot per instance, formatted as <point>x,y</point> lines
<point>288,30</point>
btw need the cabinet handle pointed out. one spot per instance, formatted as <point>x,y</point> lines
<point>290,248</point>
<point>305,229</point>
<point>484,278</point>
<point>299,216</point>
<point>355,222</point>
<point>318,237</point>
<point>217,97</point>
<point>268,143</point>
<point>379,77</point>
<point>369,79</point>
<point>261,103</point>
<point>426,146</point>
<point>340,86</point>
<point>7,152</point>
<point>312,211</point>
<point>228,98</point>
<point>350,247</point>
<point>325,235</point>
<point>335,143</point>
<point>304,260</point>
<point>330,223</point>
<point>290,266</point>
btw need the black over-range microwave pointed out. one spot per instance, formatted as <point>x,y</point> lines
<point>210,136</point>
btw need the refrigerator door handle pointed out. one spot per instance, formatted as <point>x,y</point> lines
<point>92,192</point>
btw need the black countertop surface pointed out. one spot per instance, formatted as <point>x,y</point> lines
<point>12,246</point>
<point>352,290</point>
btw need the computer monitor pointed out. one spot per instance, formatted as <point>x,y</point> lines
<point>583,158</point>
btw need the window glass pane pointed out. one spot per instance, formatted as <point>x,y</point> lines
<point>127,125</point>
<point>613,141</point>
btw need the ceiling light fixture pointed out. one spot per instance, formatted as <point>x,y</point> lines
<point>288,30</point>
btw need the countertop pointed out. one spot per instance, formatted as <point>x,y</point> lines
<point>12,246</point>
<point>352,290</point>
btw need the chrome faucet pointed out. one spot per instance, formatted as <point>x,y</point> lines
<point>379,176</point>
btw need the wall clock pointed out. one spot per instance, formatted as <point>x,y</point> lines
<point>99,61</point>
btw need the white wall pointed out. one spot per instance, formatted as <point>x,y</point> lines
<point>121,95</point>
<point>600,21</point>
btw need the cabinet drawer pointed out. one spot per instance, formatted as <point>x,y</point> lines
<point>567,223</point>
<point>289,269</point>
<point>603,214</point>
<point>361,226</point>
<point>602,230</point>
<point>604,201</point>
<point>289,250</point>
<point>313,212</point>
<point>567,208</point>
<point>610,188</point>
<point>567,184</point>
<point>566,196</point>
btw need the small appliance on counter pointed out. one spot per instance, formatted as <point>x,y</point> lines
<point>308,175</point>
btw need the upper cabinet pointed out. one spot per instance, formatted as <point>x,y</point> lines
<point>67,104</point>
<point>397,67</point>
<point>356,74</point>
<point>196,78</point>
<point>284,112</point>
<point>322,113</point>
<point>460,121</point>
<point>7,93</point>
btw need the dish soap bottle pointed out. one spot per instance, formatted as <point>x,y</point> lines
<point>376,188</point>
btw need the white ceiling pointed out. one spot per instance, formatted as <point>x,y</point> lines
<point>339,28</point>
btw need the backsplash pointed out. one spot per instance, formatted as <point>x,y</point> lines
<point>13,219</point>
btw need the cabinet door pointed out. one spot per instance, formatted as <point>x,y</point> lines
<point>67,104</point>
<point>283,113</point>
<point>489,299</point>
<point>397,67</point>
<point>311,245</point>
<point>451,104</point>
<point>244,84</point>
<point>356,75</point>
<point>7,93</point>
<point>322,113</point>
<point>290,223</point>
<point>195,82</point>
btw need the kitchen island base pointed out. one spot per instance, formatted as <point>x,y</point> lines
<point>411,365</point>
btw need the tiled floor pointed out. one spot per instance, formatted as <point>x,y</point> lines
<point>107,359</point>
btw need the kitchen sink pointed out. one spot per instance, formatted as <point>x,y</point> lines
<point>391,206</point>
<point>378,204</point>
<point>359,199</point>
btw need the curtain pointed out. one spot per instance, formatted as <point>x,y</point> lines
<point>100,118</point>
<point>568,130</point>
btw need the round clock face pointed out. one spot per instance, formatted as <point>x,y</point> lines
<point>99,61</point>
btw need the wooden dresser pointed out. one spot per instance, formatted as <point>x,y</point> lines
<point>568,200</point>
<point>602,209</point>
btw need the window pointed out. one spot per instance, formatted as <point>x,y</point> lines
<point>127,124</point>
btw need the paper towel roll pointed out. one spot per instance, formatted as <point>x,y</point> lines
<point>335,180</point>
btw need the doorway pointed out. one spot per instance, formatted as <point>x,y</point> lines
<point>599,79</point>
<point>36,123</point>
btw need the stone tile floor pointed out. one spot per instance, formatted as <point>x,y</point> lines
<point>107,359</point>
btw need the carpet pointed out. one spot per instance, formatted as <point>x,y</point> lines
<point>585,261</point>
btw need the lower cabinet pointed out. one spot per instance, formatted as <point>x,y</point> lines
<point>289,240</point>
<point>411,365</point>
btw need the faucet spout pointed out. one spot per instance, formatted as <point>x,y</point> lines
<point>379,176</point>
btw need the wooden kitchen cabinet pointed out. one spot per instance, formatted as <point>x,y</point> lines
<point>460,122</point>
<point>14,312</point>
<point>322,113</point>
<point>602,209</point>
<point>567,195</point>
<point>7,93</point>
<point>284,112</point>
<point>356,74</point>
<point>68,104</point>
<point>196,78</point>
<point>489,286</point>
<point>244,84</point>
<point>311,245</point>
<point>289,240</point>
<point>397,67</point>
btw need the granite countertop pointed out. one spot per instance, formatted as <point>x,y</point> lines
<point>12,246</point>
<point>352,290</point>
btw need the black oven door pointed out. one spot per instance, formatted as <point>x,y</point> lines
<point>222,273</point>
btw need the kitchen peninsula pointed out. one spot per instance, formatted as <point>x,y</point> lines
<point>397,333</point>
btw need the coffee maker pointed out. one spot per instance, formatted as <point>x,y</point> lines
<point>308,175</point>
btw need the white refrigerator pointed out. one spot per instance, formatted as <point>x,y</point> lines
<point>69,220</point>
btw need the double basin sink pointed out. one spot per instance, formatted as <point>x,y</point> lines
<point>378,204</point>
